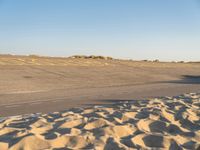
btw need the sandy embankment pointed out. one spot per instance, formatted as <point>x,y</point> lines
<point>167,122</point>
<point>31,84</point>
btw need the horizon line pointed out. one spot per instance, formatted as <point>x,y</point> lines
<point>76,56</point>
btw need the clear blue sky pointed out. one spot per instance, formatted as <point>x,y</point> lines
<point>137,29</point>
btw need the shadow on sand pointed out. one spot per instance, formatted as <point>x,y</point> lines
<point>187,79</point>
<point>115,102</point>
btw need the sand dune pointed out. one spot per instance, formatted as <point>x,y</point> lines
<point>31,84</point>
<point>159,123</point>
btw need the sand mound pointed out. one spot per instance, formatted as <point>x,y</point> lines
<point>160,123</point>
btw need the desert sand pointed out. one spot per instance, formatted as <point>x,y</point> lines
<point>32,84</point>
<point>98,103</point>
<point>157,123</point>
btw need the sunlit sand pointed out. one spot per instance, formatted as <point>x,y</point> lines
<point>165,122</point>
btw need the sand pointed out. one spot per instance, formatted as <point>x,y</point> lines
<point>156,123</point>
<point>31,84</point>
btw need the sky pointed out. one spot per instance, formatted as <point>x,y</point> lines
<point>136,29</point>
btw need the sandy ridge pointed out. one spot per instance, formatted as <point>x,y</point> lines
<point>162,123</point>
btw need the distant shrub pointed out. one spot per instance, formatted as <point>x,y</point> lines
<point>77,56</point>
<point>156,60</point>
<point>92,57</point>
<point>109,58</point>
<point>33,55</point>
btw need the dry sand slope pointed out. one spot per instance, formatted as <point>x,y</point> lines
<point>31,84</point>
<point>162,123</point>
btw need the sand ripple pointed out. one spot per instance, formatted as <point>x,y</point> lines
<point>160,123</point>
